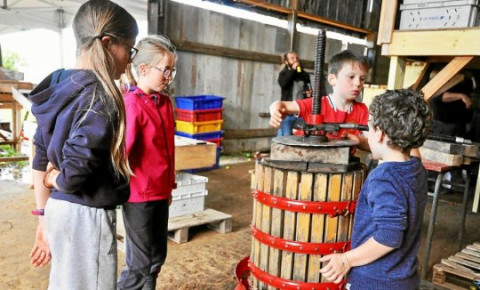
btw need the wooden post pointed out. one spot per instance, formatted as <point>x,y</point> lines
<point>387,21</point>
<point>396,73</point>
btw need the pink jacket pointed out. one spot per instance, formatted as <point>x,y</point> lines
<point>150,145</point>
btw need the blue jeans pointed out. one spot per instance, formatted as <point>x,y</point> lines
<point>287,126</point>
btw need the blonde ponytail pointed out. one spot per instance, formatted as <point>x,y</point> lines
<point>95,19</point>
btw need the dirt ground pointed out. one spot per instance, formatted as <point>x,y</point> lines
<point>208,260</point>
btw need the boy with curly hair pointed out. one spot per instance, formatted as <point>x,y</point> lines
<point>389,214</point>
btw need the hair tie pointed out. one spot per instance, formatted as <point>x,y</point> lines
<point>98,37</point>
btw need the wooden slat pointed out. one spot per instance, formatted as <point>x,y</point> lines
<point>334,189</point>
<point>289,224</point>
<point>445,75</point>
<point>464,262</point>
<point>357,187</point>
<point>440,157</point>
<point>266,220</point>
<point>387,21</point>
<point>279,179</point>
<point>257,216</point>
<point>303,227</point>
<point>439,42</point>
<point>232,53</point>
<point>346,194</point>
<point>451,148</point>
<point>471,253</point>
<point>456,265</point>
<point>468,257</point>
<point>317,228</point>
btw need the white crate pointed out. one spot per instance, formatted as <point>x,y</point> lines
<point>432,14</point>
<point>189,197</point>
<point>187,204</point>
<point>189,183</point>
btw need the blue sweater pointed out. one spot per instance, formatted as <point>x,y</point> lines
<point>74,133</point>
<point>390,209</point>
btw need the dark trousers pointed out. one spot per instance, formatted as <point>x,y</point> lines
<point>146,227</point>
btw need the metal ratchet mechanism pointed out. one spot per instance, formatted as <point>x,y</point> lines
<point>314,125</point>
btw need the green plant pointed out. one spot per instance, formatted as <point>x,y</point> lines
<point>11,60</point>
<point>7,151</point>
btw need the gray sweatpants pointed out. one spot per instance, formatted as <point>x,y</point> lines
<point>83,246</point>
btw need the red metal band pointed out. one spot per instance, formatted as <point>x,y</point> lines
<point>289,284</point>
<point>299,247</point>
<point>332,208</point>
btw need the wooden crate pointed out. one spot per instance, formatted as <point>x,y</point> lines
<point>459,271</point>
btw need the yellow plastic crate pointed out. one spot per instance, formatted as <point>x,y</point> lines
<point>199,127</point>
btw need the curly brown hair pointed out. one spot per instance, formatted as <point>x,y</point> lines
<point>404,116</point>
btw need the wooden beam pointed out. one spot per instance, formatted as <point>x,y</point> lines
<point>18,84</point>
<point>396,73</point>
<point>21,99</point>
<point>308,16</point>
<point>249,133</point>
<point>455,42</point>
<point>14,159</point>
<point>387,21</point>
<point>421,76</point>
<point>445,75</point>
<point>457,78</point>
<point>233,53</point>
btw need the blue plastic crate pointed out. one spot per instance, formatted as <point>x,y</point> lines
<point>201,136</point>
<point>201,102</point>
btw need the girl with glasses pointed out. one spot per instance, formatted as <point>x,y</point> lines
<point>80,168</point>
<point>150,150</point>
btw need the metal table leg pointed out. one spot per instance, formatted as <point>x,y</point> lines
<point>433,214</point>
<point>464,212</point>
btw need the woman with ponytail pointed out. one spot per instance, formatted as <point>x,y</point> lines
<point>80,168</point>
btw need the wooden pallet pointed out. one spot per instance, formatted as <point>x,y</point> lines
<point>459,271</point>
<point>178,226</point>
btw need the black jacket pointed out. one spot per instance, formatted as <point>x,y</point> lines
<point>286,79</point>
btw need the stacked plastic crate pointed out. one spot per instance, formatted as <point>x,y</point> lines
<point>200,117</point>
<point>189,196</point>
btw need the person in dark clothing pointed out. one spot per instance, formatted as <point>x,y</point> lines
<point>389,213</point>
<point>80,168</point>
<point>295,84</point>
<point>452,110</point>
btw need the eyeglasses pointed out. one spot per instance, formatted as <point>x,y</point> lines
<point>133,52</point>
<point>167,72</point>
